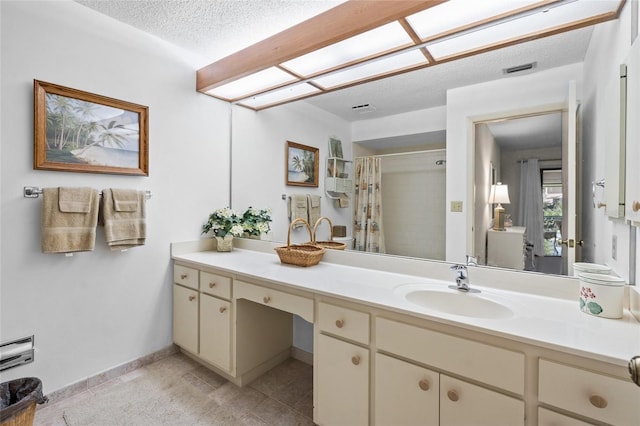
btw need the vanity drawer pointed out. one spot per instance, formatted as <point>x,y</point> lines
<point>344,322</point>
<point>215,285</point>
<point>301,306</point>
<point>551,418</point>
<point>590,394</point>
<point>185,276</point>
<point>488,364</point>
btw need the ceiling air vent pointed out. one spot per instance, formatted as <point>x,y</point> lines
<point>363,109</point>
<point>519,68</point>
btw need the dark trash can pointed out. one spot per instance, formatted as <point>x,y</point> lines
<point>18,399</point>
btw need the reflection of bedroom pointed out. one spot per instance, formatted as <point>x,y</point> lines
<point>504,150</point>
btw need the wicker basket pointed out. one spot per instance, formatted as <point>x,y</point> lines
<point>335,245</point>
<point>300,254</point>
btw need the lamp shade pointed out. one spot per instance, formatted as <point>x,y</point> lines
<point>499,194</point>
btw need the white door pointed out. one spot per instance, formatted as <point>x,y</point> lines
<point>570,188</point>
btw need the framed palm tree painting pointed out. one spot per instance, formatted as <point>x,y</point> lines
<point>77,131</point>
<point>302,165</point>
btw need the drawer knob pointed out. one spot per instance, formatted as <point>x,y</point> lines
<point>192,298</point>
<point>453,395</point>
<point>598,401</point>
<point>424,384</point>
<point>222,309</point>
<point>636,206</point>
<point>183,276</point>
<point>339,323</point>
<point>266,299</point>
<point>355,359</point>
<point>212,284</point>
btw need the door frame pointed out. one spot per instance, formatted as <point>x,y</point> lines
<point>561,107</point>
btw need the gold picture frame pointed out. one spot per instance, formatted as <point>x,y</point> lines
<point>76,131</point>
<point>301,165</point>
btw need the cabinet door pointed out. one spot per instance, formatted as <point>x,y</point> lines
<point>341,383</point>
<point>215,331</point>
<point>405,394</point>
<point>185,318</point>
<point>464,404</point>
<point>632,199</point>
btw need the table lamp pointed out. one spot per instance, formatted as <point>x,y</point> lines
<point>499,195</point>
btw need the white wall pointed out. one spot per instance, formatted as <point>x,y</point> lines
<point>481,102</point>
<point>94,311</point>
<point>608,48</point>
<point>413,194</point>
<point>409,123</point>
<point>259,145</point>
<point>487,153</point>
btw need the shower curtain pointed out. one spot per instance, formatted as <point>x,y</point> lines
<point>367,212</point>
<point>530,205</point>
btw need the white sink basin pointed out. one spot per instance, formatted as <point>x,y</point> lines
<point>459,303</point>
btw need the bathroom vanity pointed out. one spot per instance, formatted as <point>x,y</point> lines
<point>403,348</point>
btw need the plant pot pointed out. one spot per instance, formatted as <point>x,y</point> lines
<point>225,243</point>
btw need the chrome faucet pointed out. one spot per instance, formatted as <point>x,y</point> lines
<point>462,279</point>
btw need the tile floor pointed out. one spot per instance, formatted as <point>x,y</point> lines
<point>282,396</point>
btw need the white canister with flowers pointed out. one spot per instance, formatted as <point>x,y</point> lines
<point>255,222</point>
<point>225,223</point>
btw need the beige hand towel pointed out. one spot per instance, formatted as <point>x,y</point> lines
<point>124,216</point>
<point>69,219</point>
<point>313,204</point>
<point>297,208</point>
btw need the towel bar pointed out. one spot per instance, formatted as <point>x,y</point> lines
<point>35,192</point>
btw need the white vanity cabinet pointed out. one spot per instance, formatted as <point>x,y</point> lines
<point>405,394</point>
<point>586,393</point>
<point>185,308</point>
<point>432,394</point>
<point>202,314</point>
<point>506,249</point>
<point>185,318</point>
<point>341,367</point>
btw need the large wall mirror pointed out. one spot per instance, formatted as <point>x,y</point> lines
<point>430,161</point>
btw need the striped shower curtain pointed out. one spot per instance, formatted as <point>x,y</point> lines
<point>367,211</point>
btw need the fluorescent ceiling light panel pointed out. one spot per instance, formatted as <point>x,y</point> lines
<point>372,69</point>
<point>457,13</point>
<point>361,46</point>
<point>252,83</point>
<point>280,95</point>
<point>555,16</point>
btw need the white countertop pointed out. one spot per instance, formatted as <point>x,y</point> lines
<point>549,322</point>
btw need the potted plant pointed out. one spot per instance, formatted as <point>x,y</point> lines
<point>255,222</point>
<point>225,223</point>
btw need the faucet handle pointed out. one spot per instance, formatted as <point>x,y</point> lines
<point>472,261</point>
<point>458,267</point>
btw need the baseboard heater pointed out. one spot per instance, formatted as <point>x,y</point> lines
<point>16,352</point>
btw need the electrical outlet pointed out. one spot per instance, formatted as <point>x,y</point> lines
<point>614,247</point>
<point>456,206</point>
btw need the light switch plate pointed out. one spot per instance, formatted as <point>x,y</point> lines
<point>456,206</point>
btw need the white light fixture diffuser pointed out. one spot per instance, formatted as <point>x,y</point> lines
<point>375,41</point>
<point>372,69</point>
<point>287,93</point>
<point>457,13</point>
<point>555,16</point>
<point>252,83</point>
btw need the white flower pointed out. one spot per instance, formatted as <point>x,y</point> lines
<point>262,227</point>
<point>237,230</point>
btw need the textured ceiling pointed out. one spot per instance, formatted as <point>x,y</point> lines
<point>215,29</point>
<point>211,28</point>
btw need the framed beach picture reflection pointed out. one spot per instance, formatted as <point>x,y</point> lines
<point>76,131</point>
<point>301,165</point>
